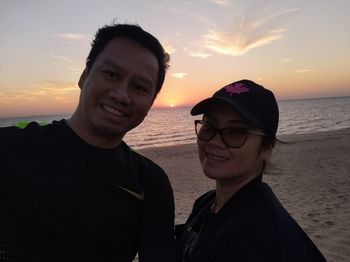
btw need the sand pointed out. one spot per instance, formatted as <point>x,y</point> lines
<point>310,175</point>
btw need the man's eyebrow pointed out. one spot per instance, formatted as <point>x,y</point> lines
<point>144,80</point>
<point>110,63</point>
<point>140,79</point>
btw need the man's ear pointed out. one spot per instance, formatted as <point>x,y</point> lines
<point>83,77</point>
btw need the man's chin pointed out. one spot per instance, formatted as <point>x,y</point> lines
<point>113,129</point>
<point>110,132</point>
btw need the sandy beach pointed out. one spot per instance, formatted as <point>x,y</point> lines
<point>310,175</point>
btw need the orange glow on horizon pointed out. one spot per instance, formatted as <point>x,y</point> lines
<point>270,47</point>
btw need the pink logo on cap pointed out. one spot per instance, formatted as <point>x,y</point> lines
<point>237,88</point>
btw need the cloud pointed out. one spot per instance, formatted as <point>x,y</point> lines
<point>190,12</point>
<point>247,33</point>
<point>179,75</point>
<point>48,90</point>
<point>221,2</point>
<point>63,58</point>
<point>74,37</point>
<point>304,70</point>
<point>278,31</point>
<point>287,60</point>
<point>200,54</point>
<point>54,91</point>
<point>169,49</point>
<point>74,69</point>
<point>268,18</point>
<point>236,44</point>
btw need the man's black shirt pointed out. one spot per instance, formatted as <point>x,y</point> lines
<point>65,200</point>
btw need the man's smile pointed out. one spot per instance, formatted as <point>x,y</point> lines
<point>113,110</point>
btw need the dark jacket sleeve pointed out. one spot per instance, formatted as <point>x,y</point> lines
<point>269,234</point>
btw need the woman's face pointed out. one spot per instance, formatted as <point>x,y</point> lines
<point>224,163</point>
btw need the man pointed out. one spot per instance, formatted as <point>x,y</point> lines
<point>73,190</point>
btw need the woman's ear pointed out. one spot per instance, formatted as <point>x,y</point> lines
<point>82,78</point>
<point>265,151</point>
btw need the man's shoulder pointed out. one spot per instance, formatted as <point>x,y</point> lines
<point>14,135</point>
<point>141,161</point>
<point>28,140</point>
<point>29,128</point>
<point>148,172</point>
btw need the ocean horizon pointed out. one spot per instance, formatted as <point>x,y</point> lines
<point>174,126</point>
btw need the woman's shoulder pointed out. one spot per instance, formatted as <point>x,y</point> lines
<point>204,199</point>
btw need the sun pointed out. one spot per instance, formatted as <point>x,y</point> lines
<point>171,105</point>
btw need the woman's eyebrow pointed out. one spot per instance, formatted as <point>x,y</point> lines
<point>238,121</point>
<point>233,121</point>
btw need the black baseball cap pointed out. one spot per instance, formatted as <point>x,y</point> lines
<point>254,102</point>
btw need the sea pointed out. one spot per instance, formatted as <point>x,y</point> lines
<point>174,126</point>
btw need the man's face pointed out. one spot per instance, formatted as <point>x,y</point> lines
<point>118,90</point>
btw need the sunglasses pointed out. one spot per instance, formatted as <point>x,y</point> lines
<point>230,136</point>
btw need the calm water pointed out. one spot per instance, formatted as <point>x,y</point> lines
<point>175,125</point>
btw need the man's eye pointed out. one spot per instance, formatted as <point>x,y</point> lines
<point>142,88</point>
<point>110,74</point>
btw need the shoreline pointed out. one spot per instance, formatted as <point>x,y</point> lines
<point>310,174</point>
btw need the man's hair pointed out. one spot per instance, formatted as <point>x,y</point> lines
<point>135,33</point>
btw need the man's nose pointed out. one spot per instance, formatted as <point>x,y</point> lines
<point>121,92</point>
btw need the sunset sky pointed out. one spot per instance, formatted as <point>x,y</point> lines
<point>298,49</point>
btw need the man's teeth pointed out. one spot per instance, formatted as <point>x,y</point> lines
<point>216,157</point>
<point>113,111</point>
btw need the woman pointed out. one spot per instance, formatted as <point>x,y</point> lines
<point>241,220</point>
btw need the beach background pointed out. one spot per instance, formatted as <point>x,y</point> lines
<point>174,126</point>
<point>310,174</point>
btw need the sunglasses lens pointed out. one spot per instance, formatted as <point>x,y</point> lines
<point>234,137</point>
<point>204,131</point>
